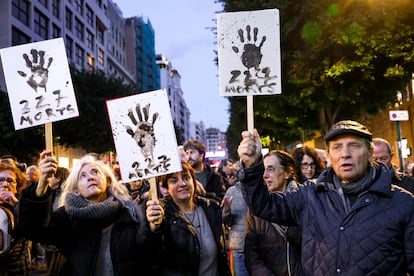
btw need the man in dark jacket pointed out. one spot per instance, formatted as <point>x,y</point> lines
<point>211,181</point>
<point>382,153</point>
<point>353,220</point>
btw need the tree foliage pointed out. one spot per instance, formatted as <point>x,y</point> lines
<point>91,130</point>
<point>340,60</point>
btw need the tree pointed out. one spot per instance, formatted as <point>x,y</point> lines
<point>91,130</point>
<point>340,60</point>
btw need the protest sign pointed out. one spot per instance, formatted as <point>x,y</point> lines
<point>144,135</point>
<point>38,83</point>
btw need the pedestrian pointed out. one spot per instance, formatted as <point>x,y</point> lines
<point>353,220</point>
<point>193,239</point>
<point>99,229</point>
<point>382,153</point>
<point>234,219</point>
<point>271,248</point>
<point>308,163</point>
<point>14,249</point>
<point>212,182</point>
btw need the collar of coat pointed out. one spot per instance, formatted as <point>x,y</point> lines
<point>380,181</point>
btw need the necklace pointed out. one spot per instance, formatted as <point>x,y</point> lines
<point>195,220</point>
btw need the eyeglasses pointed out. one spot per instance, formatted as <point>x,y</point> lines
<point>307,165</point>
<point>10,181</point>
<point>271,169</point>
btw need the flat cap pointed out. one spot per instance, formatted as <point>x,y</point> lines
<point>348,127</point>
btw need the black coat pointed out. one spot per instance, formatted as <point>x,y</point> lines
<point>269,252</point>
<point>133,247</point>
<point>181,248</point>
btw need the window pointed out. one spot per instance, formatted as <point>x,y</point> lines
<point>56,8</point>
<point>100,35</point>
<point>20,10</point>
<point>89,40</point>
<point>69,47</point>
<point>18,37</point>
<point>89,15</point>
<point>101,57</point>
<point>55,31</point>
<point>78,29</point>
<point>91,63</point>
<point>79,55</point>
<point>79,6</point>
<point>40,24</point>
<point>68,19</point>
<point>43,2</point>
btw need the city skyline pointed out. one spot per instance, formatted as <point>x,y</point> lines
<point>183,35</point>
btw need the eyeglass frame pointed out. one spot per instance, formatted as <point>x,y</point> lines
<point>272,169</point>
<point>10,181</point>
<point>307,165</point>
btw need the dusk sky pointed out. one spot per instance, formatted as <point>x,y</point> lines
<point>182,34</point>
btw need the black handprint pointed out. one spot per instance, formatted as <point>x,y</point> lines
<point>39,74</point>
<point>251,56</point>
<point>144,134</point>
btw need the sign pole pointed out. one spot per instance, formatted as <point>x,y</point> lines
<point>250,114</point>
<point>49,136</point>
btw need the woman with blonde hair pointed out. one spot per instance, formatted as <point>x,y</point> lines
<point>98,229</point>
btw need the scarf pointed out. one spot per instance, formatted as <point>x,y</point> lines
<point>350,191</point>
<point>79,207</point>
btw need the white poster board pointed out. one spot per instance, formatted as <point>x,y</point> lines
<point>249,53</point>
<point>144,135</point>
<point>38,83</point>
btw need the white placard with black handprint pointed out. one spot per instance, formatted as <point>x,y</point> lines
<point>249,53</point>
<point>144,135</point>
<point>38,83</point>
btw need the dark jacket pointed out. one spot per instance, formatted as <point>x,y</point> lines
<point>16,260</point>
<point>376,237</point>
<point>402,180</point>
<point>214,183</point>
<point>132,247</point>
<point>181,248</point>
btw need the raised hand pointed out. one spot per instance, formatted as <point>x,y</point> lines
<point>154,213</point>
<point>48,166</point>
<point>250,148</point>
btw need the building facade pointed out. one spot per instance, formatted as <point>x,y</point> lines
<point>141,45</point>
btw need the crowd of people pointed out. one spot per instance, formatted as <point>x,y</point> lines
<point>281,213</point>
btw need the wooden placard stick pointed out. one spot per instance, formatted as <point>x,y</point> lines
<point>154,193</point>
<point>153,188</point>
<point>250,114</point>
<point>49,136</point>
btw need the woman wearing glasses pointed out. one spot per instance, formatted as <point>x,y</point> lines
<point>14,253</point>
<point>308,163</point>
<point>273,249</point>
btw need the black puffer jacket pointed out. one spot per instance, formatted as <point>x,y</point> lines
<point>269,250</point>
<point>181,249</point>
<point>133,247</point>
<point>376,237</point>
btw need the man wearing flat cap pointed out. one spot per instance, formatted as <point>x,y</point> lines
<point>353,220</point>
